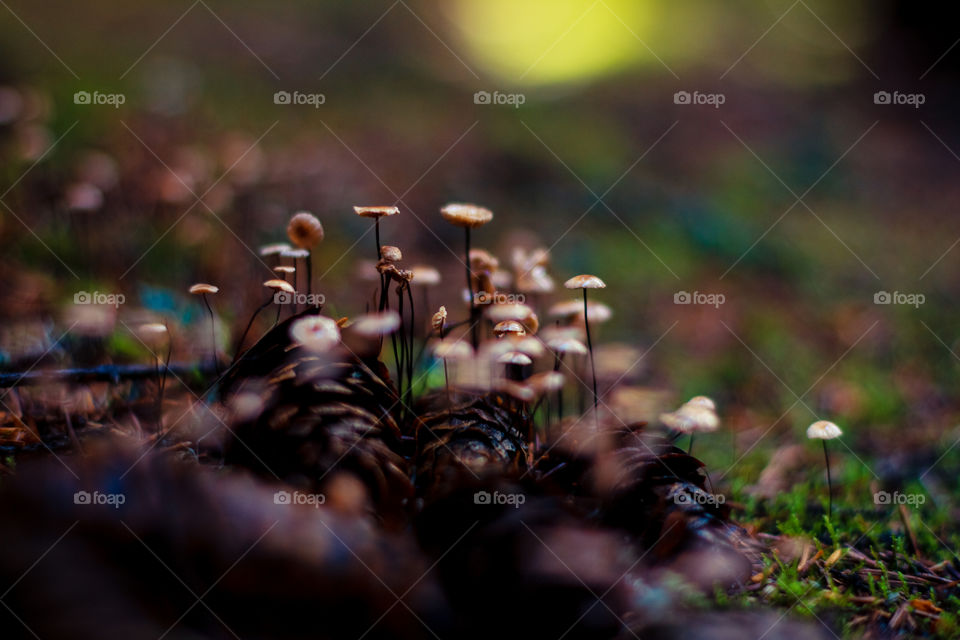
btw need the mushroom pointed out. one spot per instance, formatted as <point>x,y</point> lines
<point>692,418</point>
<point>316,333</point>
<point>202,289</point>
<point>154,334</point>
<point>509,327</point>
<point>390,254</point>
<point>825,430</point>
<point>376,325</point>
<point>585,282</point>
<point>468,216</point>
<point>376,213</point>
<point>279,287</point>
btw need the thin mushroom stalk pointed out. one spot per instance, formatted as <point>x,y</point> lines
<point>213,335</point>
<point>825,430</point>
<point>243,336</point>
<point>593,368</point>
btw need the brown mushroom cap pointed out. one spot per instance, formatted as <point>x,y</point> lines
<point>376,212</point>
<point>390,253</point>
<point>585,281</point>
<point>203,287</point>
<point>305,230</point>
<point>439,319</point>
<point>509,327</point>
<point>466,215</point>
<point>483,260</point>
<point>279,285</point>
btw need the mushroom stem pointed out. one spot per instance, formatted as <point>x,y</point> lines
<point>213,335</point>
<point>829,482</point>
<point>593,368</point>
<point>243,336</point>
<point>473,328</point>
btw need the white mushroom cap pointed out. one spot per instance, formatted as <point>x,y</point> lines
<point>702,401</point>
<point>515,357</point>
<point>374,325</point>
<point>203,287</point>
<point>274,248</point>
<point>425,275</point>
<point>546,382</point>
<point>376,212</point>
<point>316,333</point>
<point>449,349</point>
<point>823,430</point>
<point>279,285</point>
<point>294,253</point>
<point>691,419</point>
<point>585,281</point>
<point>568,345</point>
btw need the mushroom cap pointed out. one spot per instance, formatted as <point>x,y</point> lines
<point>585,281</point>
<point>376,212</point>
<point>315,333</point>
<point>535,280</point>
<point>452,349</point>
<point>203,287</point>
<point>483,260</point>
<point>305,230</point>
<point>515,357</point>
<point>439,318</point>
<point>279,285</point>
<point>517,390</point>
<point>566,309</point>
<point>285,269</point>
<point>509,327</point>
<point>152,328</point>
<point>295,254</point>
<point>568,345</point>
<point>374,325</point>
<point>823,430</point>
<point>391,253</point>
<point>546,382</point>
<point>425,275</point>
<point>702,401</point>
<point>274,248</point>
<point>691,419</point>
<point>466,215</point>
<point>598,311</point>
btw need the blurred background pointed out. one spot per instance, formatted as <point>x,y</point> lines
<point>792,159</point>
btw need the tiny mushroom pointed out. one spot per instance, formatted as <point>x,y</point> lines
<point>316,333</point>
<point>467,216</point>
<point>376,213</point>
<point>305,230</point>
<point>202,289</point>
<point>585,282</point>
<point>509,327</point>
<point>825,430</point>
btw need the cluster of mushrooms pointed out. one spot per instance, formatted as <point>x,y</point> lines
<point>505,361</point>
